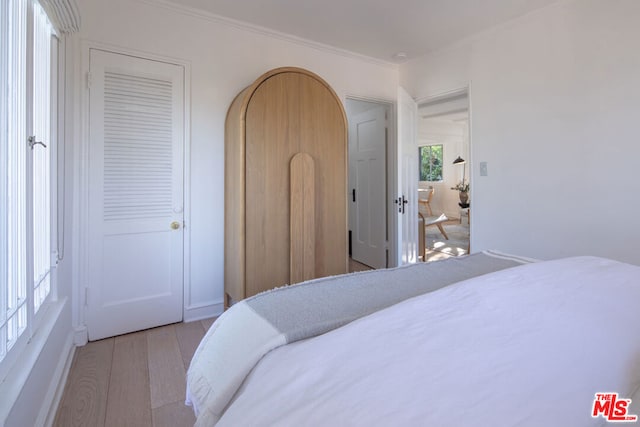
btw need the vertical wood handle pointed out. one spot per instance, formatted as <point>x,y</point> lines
<point>303,227</point>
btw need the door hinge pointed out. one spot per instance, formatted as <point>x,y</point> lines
<point>89,80</point>
<point>353,194</point>
<point>86,297</point>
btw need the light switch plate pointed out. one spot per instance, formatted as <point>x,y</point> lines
<point>483,169</point>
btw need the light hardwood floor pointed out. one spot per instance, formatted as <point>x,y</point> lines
<point>432,255</point>
<point>356,266</point>
<point>132,380</point>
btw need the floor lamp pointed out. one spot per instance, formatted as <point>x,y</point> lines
<point>462,161</point>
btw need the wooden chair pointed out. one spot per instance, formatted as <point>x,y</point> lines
<point>437,220</point>
<point>424,209</point>
<point>423,223</point>
<point>424,199</point>
<point>426,218</point>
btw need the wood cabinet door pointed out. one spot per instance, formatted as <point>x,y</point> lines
<point>291,113</point>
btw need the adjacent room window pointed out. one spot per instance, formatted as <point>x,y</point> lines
<point>430,162</point>
<point>28,51</point>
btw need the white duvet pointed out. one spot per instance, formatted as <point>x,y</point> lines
<point>528,346</point>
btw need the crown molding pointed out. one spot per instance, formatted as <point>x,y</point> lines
<point>245,26</point>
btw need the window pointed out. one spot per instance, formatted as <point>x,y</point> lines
<point>28,50</point>
<point>430,162</point>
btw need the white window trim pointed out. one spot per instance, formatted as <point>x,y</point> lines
<point>21,352</point>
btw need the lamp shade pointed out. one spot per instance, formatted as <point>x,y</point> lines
<point>459,160</point>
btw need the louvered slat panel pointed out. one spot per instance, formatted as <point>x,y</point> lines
<point>137,147</point>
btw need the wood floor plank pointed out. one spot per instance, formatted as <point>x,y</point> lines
<point>189,336</point>
<point>84,401</point>
<point>175,414</point>
<point>206,323</point>
<point>128,402</point>
<point>111,381</point>
<point>166,367</point>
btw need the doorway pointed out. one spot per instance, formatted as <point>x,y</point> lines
<point>368,183</point>
<point>136,186</point>
<point>444,149</point>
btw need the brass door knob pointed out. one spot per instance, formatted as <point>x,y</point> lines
<point>175,225</point>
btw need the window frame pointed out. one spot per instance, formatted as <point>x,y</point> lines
<point>34,316</point>
<point>430,147</point>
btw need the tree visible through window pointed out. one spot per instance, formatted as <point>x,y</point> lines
<point>430,162</point>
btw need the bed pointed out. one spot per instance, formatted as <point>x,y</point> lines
<point>483,340</point>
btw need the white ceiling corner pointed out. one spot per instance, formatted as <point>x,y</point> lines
<point>378,29</point>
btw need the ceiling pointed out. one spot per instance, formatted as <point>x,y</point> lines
<point>377,28</point>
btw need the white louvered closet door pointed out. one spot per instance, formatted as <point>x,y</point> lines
<point>136,194</point>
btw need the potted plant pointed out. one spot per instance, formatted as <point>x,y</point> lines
<point>463,192</point>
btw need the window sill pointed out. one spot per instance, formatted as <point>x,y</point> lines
<point>12,385</point>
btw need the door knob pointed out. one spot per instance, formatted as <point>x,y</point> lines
<point>175,225</point>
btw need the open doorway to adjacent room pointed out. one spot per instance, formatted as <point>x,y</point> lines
<point>443,189</point>
<point>369,170</point>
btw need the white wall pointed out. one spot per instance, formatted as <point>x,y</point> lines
<point>223,59</point>
<point>554,112</point>
<point>453,136</point>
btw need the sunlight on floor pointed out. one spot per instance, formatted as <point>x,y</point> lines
<point>437,247</point>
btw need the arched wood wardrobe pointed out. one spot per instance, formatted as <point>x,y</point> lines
<point>285,183</point>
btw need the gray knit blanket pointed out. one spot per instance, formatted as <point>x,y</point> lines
<point>241,336</point>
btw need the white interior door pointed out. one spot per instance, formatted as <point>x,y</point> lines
<point>136,194</point>
<point>367,172</point>
<point>406,202</point>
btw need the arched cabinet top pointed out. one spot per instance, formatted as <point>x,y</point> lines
<point>245,96</point>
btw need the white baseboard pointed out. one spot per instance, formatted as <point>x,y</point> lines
<point>47,414</point>
<point>204,311</point>
<point>80,335</point>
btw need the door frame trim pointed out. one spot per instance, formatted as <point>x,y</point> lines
<point>391,178</point>
<point>80,238</point>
